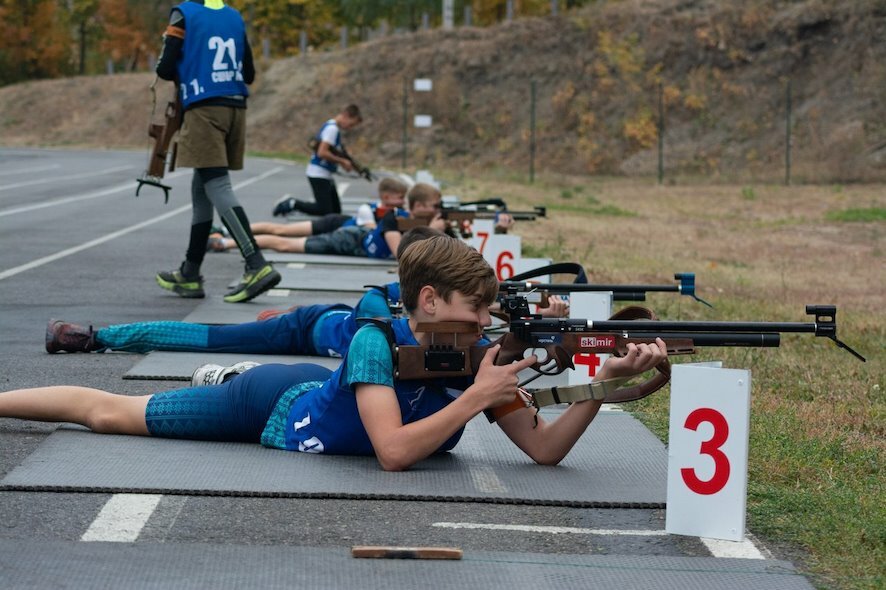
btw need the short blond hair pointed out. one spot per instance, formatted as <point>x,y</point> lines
<point>447,265</point>
<point>422,193</point>
<point>392,186</point>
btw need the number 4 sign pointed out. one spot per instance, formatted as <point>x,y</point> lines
<point>708,452</point>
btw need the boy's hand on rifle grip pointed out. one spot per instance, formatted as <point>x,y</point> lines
<point>346,164</point>
<point>497,384</point>
<point>637,359</point>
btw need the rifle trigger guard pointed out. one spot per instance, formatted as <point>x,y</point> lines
<point>150,181</point>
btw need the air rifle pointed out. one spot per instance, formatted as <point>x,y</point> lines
<point>562,339</point>
<point>539,293</point>
<point>489,208</point>
<point>162,135</point>
<point>341,152</point>
<point>459,220</point>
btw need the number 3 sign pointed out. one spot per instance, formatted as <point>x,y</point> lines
<point>708,452</point>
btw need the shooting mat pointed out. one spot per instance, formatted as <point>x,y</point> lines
<point>617,463</point>
<point>297,275</point>
<point>327,259</point>
<point>215,311</point>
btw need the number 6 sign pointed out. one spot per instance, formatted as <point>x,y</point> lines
<point>708,452</point>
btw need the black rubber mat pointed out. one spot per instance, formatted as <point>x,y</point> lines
<point>179,366</point>
<point>617,463</point>
<point>25,565</point>
<point>214,310</point>
<point>280,257</point>
<point>312,277</point>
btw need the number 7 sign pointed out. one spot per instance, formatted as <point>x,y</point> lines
<point>708,452</point>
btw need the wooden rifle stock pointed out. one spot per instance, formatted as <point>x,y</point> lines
<point>162,135</point>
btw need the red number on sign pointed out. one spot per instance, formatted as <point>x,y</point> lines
<point>483,235</point>
<point>501,266</point>
<point>709,447</point>
<point>591,360</point>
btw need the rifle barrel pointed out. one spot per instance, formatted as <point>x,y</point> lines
<point>669,326</point>
<point>744,339</point>
<point>585,287</point>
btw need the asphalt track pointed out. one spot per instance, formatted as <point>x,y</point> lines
<point>78,245</point>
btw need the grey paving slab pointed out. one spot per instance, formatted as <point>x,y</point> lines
<point>326,259</point>
<point>304,277</point>
<point>179,366</point>
<point>56,564</point>
<point>617,463</point>
<point>214,310</point>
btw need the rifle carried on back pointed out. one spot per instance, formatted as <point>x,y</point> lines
<point>162,135</point>
<point>562,339</point>
<point>314,145</point>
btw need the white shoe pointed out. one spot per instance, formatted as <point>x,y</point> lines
<point>217,374</point>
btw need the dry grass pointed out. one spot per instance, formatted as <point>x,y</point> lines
<point>818,422</point>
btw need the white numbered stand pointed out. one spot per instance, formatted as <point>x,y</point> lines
<point>708,452</point>
<point>501,251</point>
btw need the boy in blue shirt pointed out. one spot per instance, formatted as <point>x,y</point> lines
<point>316,330</point>
<point>380,241</point>
<point>361,408</point>
<point>391,195</point>
<point>324,163</point>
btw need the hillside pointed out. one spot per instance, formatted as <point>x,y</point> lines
<point>723,69</point>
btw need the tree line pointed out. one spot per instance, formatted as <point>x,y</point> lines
<point>54,38</point>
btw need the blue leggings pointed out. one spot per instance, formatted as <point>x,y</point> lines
<point>289,333</point>
<point>235,411</point>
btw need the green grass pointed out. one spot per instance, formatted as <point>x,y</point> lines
<point>818,417</point>
<point>866,214</point>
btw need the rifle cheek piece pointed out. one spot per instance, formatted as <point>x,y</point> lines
<point>444,358</point>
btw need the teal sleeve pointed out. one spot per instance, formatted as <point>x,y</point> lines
<point>372,305</point>
<point>369,358</point>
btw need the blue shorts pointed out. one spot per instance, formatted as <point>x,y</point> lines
<point>235,411</point>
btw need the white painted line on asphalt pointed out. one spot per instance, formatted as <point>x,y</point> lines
<point>739,549</point>
<point>277,292</point>
<point>122,518</point>
<point>102,193</point>
<point>113,235</point>
<point>554,530</point>
<point>90,244</point>
<point>7,187</point>
<point>344,188</point>
<point>28,170</point>
<point>736,549</point>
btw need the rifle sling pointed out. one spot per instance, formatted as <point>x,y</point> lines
<point>608,391</point>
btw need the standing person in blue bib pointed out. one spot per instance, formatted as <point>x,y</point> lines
<point>324,163</point>
<point>205,51</point>
<point>363,407</point>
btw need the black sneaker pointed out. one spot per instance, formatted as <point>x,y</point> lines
<point>253,284</point>
<point>62,336</point>
<point>284,206</point>
<point>175,281</point>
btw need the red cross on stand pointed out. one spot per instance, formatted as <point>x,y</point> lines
<point>591,360</point>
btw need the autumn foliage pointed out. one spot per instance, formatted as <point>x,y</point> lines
<point>53,38</point>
